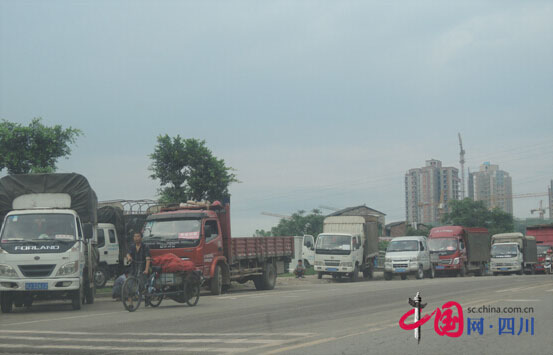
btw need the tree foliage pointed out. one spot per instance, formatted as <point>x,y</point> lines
<point>187,170</point>
<point>35,148</point>
<point>298,224</point>
<point>469,213</point>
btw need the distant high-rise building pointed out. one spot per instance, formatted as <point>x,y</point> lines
<point>493,186</point>
<point>428,190</point>
<point>551,200</point>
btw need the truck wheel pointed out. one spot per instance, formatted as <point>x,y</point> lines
<point>101,277</point>
<point>403,276</point>
<point>89,292</point>
<point>269,277</point>
<point>420,273</point>
<point>355,274</point>
<point>76,297</point>
<point>6,302</point>
<point>319,275</point>
<point>431,273</point>
<point>216,283</point>
<point>480,271</point>
<point>387,276</point>
<point>462,271</point>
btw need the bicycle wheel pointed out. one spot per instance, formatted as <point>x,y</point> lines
<point>192,293</point>
<point>155,300</point>
<point>131,294</point>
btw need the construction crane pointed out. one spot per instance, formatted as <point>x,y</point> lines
<point>540,210</point>
<point>462,162</point>
<point>330,208</point>
<point>276,215</point>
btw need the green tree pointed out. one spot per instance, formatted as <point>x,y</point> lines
<point>412,231</point>
<point>298,224</point>
<point>469,213</point>
<point>35,148</point>
<point>187,170</point>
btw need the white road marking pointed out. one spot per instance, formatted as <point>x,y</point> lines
<point>149,334</point>
<point>146,341</point>
<point>65,318</point>
<point>549,290</point>
<point>258,294</point>
<point>122,348</point>
<point>521,300</point>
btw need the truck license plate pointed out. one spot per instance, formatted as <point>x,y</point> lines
<point>400,270</point>
<point>36,285</point>
<point>440,267</point>
<point>504,268</point>
<point>331,269</point>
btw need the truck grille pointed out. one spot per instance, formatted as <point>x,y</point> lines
<point>332,263</point>
<point>444,261</point>
<point>36,270</point>
<point>401,265</point>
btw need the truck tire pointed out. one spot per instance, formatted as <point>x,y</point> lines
<point>76,297</point>
<point>216,283</point>
<point>387,276</point>
<point>420,273</point>
<point>6,302</point>
<point>462,271</point>
<point>319,275</point>
<point>101,276</point>
<point>89,292</point>
<point>480,271</point>
<point>403,276</point>
<point>355,274</point>
<point>269,277</point>
<point>431,272</point>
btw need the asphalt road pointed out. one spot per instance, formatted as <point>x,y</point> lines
<point>300,317</point>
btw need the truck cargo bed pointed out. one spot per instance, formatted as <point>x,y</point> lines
<point>261,247</point>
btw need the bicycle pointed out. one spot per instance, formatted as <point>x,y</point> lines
<point>154,290</point>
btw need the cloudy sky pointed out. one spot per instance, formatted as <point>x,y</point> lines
<point>312,102</point>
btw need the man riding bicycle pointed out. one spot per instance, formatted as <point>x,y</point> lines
<point>139,255</point>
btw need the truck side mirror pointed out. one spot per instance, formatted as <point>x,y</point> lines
<point>88,231</point>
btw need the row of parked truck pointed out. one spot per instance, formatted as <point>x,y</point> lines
<point>457,250</point>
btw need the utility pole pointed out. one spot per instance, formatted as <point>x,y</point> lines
<point>462,162</point>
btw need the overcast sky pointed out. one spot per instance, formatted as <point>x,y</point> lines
<point>312,102</point>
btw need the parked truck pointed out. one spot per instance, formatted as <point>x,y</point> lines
<point>111,243</point>
<point>459,250</point>
<point>348,245</point>
<point>513,253</point>
<point>46,248</point>
<point>201,232</point>
<point>304,249</point>
<point>544,240</point>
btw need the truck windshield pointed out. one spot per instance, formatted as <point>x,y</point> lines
<point>39,227</point>
<point>403,245</point>
<point>181,231</point>
<point>504,250</point>
<point>442,244</point>
<point>334,242</point>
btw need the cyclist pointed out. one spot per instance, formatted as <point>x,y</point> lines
<point>139,255</point>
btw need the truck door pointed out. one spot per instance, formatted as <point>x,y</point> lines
<point>425,255</point>
<point>112,248</point>
<point>213,246</point>
<point>101,245</point>
<point>309,249</point>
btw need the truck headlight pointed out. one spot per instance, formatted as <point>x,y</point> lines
<point>7,271</point>
<point>68,269</point>
<point>455,261</point>
<point>346,264</point>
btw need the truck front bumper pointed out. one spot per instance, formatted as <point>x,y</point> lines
<point>402,268</point>
<point>332,269</point>
<point>40,285</point>
<point>504,268</point>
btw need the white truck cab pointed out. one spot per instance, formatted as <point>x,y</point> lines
<point>408,255</point>
<point>108,249</point>
<point>338,254</point>
<point>304,249</point>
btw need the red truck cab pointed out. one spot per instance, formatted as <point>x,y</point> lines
<point>458,250</point>
<point>544,242</point>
